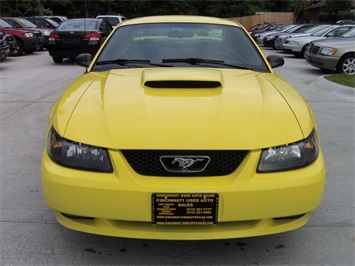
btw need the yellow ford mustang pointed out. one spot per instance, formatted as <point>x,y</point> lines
<point>180,129</point>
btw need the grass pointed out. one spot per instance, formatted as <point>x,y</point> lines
<point>342,79</point>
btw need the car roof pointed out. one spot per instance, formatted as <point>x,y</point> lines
<point>179,19</point>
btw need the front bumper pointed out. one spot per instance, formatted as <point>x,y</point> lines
<point>71,52</point>
<point>30,43</point>
<point>120,203</point>
<point>292,48</point>
<point>321,61</point>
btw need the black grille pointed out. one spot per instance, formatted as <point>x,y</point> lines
<point>147,162</point>
<point>313,49</point>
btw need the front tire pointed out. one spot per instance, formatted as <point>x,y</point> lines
<point>19,49</point>
<point>346,65</point>
<point>57,60</point>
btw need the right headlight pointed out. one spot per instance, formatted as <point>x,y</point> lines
<point>77,155</point>
<point>291,156</point>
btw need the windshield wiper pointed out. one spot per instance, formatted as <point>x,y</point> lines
<point>130,62</point>
<point>199,61</point>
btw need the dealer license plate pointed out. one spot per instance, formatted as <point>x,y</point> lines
<point>185,208</point>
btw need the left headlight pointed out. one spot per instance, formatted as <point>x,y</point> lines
<point>291,156</point>
<point>328,51</point>
<point>77,155</point>
<point>28,35</point>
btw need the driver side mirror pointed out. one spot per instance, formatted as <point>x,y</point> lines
<point>83,60</point>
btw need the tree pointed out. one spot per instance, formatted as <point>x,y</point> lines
<point>333,7</point>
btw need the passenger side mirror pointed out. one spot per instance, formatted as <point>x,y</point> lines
<point>275,61</point>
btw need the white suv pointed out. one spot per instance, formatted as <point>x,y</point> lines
<point>113,20</point>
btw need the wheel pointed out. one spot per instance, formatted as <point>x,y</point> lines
<point>301,54</point>
<point>19,49</point>
<point>57,60</point>
<point>347,65</point>
<point>303,50</point>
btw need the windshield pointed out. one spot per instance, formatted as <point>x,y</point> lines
<point>322,31</point>
<point>4,24</point>
<point>78,25</point>
<point>314,29</point>
<point>180,44</point>
<point>26,23</point>
<point>349,34</point>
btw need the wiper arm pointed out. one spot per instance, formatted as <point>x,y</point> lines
<point>198,61</point>
<point>124,62</point>
<point>192,60</point>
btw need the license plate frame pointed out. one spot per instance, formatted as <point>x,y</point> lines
<point>185,208</point>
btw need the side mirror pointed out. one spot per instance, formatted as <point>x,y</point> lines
<point>83,60</point>
<point>275,61</point>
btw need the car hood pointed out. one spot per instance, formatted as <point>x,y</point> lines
<point>306,39</point>
<point>336,41</point>
<point>159,110</point>
<point>285,35</point>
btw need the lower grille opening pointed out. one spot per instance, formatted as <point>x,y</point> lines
<point>293,217</point>
<point>71,216</point>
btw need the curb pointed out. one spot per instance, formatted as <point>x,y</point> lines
<point>327,85</point>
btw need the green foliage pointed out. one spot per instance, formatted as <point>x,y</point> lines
<point>333,7</point>
<point>342,79</point>
<point>137,8</point>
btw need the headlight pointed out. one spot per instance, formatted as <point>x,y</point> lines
<point>291,156</point>
<point>270,38</point>
<point>28,34</point>
<point>77,155</point>
<point>328,51</point>
<point>293,43</point>
<point>47,32</point>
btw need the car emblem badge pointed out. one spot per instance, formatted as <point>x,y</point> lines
<point>184,164</point>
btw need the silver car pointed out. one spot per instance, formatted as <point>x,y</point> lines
<point>334,54</point>
<point>279,41</point>
<point>297,45</point>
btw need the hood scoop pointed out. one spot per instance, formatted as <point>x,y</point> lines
<point>183,84</point>
<point>182,78</point>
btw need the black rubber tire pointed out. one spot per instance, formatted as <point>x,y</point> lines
<point>57,60</point>
<point>19,49</point>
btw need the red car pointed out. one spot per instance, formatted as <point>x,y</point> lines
<point>26,40</point>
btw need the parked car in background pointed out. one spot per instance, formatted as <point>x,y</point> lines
<point>181,129</point>
<point>298,45</point>
<point>26,40</point>
<point>43,22</point>
<point>345,22</point>
<point>76,36</point>
<point>270,27</point>
<point>282,28</point>
<point>335,54</point>
<point>269,39</point>
<point>58,19</point>
<point>4,47</point>
<point>113,20</point>
<point>11,41</point>
<point>280,39</point>
<point>21,23</point>
<point>259,26</point>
